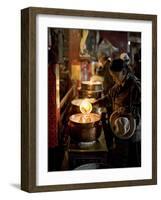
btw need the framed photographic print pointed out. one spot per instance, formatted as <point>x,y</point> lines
<point>88,99</point>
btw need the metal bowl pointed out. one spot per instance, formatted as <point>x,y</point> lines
<point>85,129</point>
<point>92,85</point>
<point>90,93</point>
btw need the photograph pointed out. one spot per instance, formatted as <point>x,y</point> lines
<point>89,99</point>
<point>94,112</point>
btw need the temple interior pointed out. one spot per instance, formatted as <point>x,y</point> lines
<point>78,129</point>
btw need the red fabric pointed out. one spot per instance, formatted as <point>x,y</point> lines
<point>117,38</point>
<point>52,121</point>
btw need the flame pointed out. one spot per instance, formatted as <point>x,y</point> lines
<point>85,107</point>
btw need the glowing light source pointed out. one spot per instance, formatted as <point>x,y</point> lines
<point>85,107</point>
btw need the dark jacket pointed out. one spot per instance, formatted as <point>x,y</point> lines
<point>127,96</point>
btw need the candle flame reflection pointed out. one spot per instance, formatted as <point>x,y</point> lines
<point>85,107</point>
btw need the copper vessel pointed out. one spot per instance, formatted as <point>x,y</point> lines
<point>85,128</point>
<point>90,93</point>
<point>94,86</point>
<point>91,89</point>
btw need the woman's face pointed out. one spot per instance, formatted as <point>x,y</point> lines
<point>118,77</point>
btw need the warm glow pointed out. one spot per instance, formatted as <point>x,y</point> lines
<point>85,107</point>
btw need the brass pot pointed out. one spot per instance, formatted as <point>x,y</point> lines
<point>90,93</point>
<point>94,86</point>
<point>87,130</point>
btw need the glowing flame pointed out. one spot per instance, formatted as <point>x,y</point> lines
<point>85,107</point>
